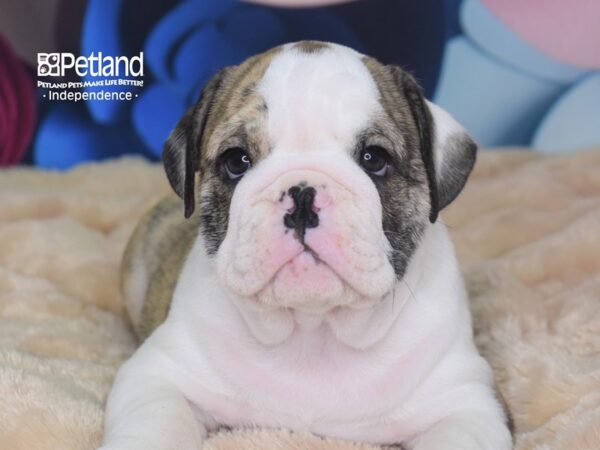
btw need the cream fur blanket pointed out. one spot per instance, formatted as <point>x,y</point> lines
<point>527,230</point>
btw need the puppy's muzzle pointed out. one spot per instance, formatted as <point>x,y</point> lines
<point>303,214</point>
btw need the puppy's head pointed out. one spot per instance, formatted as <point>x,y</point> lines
<point>315,171</point>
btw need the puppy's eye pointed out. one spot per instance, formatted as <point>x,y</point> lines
<point>374,159</point>
<point>236,162</point>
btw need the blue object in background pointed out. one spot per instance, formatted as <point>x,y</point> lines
<point>506,92</point>
<point>67,137</point>
<point>573,122</point>
<point>102,20</point>
<point>497,104</point>
<point>185,43</point>
<point>192,17</point>
<point>154,114</point>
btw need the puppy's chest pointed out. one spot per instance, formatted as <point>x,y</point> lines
<point>312,383</point>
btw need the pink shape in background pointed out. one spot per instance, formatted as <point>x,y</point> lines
<point>17,106</point>
<point>567,30</point>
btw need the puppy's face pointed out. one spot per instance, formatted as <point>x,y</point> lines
<point>318,171</point>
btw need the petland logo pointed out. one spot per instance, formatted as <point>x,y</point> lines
<point>105,77</point>
<point>95,65</point>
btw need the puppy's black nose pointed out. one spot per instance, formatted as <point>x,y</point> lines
<point>302,215</point>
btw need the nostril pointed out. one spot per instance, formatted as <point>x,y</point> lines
<point>295,191</point>
<point>289,220</point>
<point>312,221</point>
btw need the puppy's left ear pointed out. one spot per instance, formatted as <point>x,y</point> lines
<point>448,152</point>
<point>181,153</point>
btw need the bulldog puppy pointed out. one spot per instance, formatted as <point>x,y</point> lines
<point>312,285</point>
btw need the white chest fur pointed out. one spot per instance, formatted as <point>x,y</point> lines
<point>312,381</point>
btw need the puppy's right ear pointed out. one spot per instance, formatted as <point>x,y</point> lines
<point>181,153</point>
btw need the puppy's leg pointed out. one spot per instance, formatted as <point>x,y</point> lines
<point>147,412</point>
<point>476,430</point>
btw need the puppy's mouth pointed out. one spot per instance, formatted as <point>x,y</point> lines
<point>307,283</point>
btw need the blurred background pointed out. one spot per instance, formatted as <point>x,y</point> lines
<point>514,72</point>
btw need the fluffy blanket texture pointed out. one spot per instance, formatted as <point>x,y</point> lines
<point>527,231</point>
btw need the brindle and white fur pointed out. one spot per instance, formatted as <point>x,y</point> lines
<point>355,325</point>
